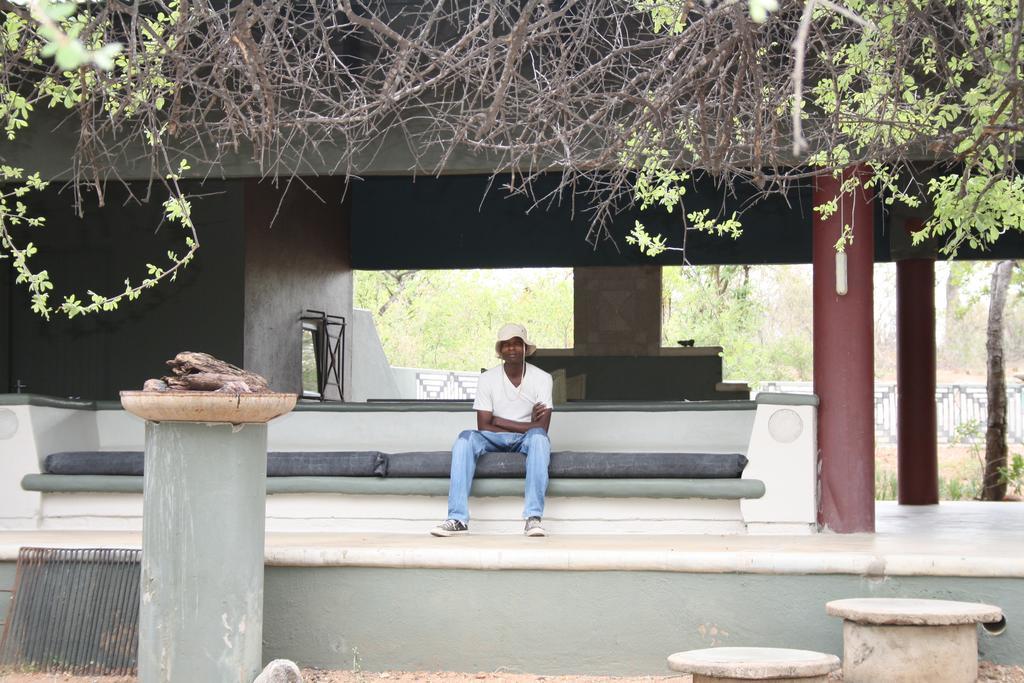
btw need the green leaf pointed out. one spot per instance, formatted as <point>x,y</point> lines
<point>759,9</point>
<point>104,57</point>
<point>49,49</point>
<point>71,55</point>
<point>59,11</point>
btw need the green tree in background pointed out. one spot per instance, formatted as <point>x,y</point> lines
<point>760,316</point>
<point>962,342</point>
<point>760,320</point>
<point>447,319</point>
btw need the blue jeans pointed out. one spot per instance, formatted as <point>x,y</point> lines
<point>472,443</point>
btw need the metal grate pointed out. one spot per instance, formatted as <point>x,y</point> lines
<point>74,610</point>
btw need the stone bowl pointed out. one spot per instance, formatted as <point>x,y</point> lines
<point>207,406</point>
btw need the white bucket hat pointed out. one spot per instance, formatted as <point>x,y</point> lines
<point>509,331</point>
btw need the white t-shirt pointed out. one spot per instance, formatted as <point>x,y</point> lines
<point>496,394</point>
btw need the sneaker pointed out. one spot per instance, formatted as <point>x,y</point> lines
<point>450,527</point>
<point>534,527</point>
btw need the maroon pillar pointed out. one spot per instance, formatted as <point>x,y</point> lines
<point>917,453</point>
<point>844,361</point>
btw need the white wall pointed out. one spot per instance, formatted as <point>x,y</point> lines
<point>372,376</point>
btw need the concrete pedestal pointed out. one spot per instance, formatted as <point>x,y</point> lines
<point>700,678</point>
<point>736,664</point>
<point>910,654</point>
<point>906,640</point>
<point>201,617</point>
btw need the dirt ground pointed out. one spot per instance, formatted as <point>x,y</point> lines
<point>317,676</point>
<point>954,461</point>
<point>989,673</point>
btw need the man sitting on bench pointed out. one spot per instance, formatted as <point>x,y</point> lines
<point>513,413</point>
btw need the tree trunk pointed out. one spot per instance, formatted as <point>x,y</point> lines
<point>402,278</point>
<point>995,434</point>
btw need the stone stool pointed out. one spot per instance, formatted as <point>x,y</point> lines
<point>901,640</point>
<point>724,664</point>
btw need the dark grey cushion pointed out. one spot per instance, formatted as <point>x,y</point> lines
<point>127,463</point>
<point>583,465</point>
<point>579,465</point>
<point>303,464</point>
<point>439,463</point>
<point>564,464</point>
<point>327,464</point>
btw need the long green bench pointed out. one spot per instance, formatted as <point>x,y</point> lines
<point>776,493</point>
<point>712,489</point>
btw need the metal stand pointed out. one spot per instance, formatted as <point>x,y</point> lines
<point>329,345</point>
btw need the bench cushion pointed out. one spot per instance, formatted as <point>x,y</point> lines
<point>124,463</point>
<point>578,465</point>
<point>291,464</point>
<point>327,464</point>
<point>584,465</point>
<point>564,464</point>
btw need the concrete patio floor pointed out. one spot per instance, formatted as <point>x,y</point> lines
<point>950,539</point>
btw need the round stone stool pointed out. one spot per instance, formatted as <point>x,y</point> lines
<point>723,664</point>
<point>902,640</point>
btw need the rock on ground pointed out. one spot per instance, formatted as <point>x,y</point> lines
<point>280,671</point>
